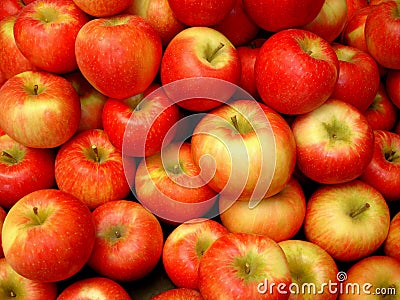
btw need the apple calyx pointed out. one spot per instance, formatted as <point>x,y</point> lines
<point>212,55</point>
<point>9,158</point>
<point>360,210</point>
<point>392,156</point>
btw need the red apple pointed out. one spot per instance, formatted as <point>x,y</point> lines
<point>129,241</point>
<point>101,288</point>
<point>353,33</point>
<point>275,16</point>
<point>359,77</point>
<point>391,247</point>
<point>296,71</point>
<point>90,168</point>
<point>334,142</point>
<point>354,5</point>
<point>237,264</point>
<point>103,8</point>
<point>383,172</point>
<point>279,217</point>
<point>184,248</point>
<point>137,45</point>
<point>205,53</point>
<point>3,214</point>
<point>179,294</point>
<point>39,109</point>
<point>23,170</point>
<point>48,235</point>
<point>392,85</point>
<point>15,286</point>
<point>350,220</point>
<point>10,7</point>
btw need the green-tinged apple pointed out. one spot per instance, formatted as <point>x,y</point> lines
<point>103,8</point>
<point>137,46</point>
<point>296,71</point>
<point>44,24</point>
<point>245,149</point>
<point>391,246</point>
<point>170,185</point>
<point>12,61</point>
<point>160,16</point>
<point>353,33</point>
<point>128,243</point>
<point>383,172</point>
<point>15,287</point>
<point>184,248</point>
<point>3,214</point>
<point>99,288</point>
<point>275,16</point>
<point>23,170</point>
<point>179,294</point>
<point>142,124</point>
<point>92,102</point>
<point>39,109</point>
<point>350,220</point>
<point>237,264</point>
<point>314,271</point>
<point>392,85</point>
<point>206,53</point>
<point>359,77</point>
<point>279,217</point>
<point>48,235</point>
<point>10,7</point>
<point>376,277</point>
<point>90,168</point>
<point>334,142</point>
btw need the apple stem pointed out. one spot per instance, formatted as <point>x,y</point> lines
<point>391,156</point>
<point>360,210</point>
<point>247,268</point>
<point>12,294</point>
<point>216,50</point>
<point>35,212</point>
<point>96,153</point>
<point>235,122</point>
<point>117,234</point>
<point>9,156</point>
<point>35,89</point>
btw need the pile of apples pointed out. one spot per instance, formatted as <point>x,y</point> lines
<point>251,148</point>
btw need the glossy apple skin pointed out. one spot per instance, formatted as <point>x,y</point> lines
<point>53,250</point>
<point>3,214</point>
<point>275,16</point>
<point>359,77</point>
<point>392,85</point>
<point>45,119</point>
<point>353,6</point>
<point>66,19</point>
<point>78,172</point>
<point>135,251</point>
<point>100,287</point>
<point>279,217</point>
<point>27,170</point>
<point>391,247</point>
<point>23,288</point>
<point>290,80</point>
<point>383,172</point>
<point>139,50</point>
<point>328,222</point>
<point>228,280</point>
<point>179,294</point>
<point>382,27</point>
<point>184,248</point>
<point>102,8</point>
<point>10,8</point>
<point>322,156</point>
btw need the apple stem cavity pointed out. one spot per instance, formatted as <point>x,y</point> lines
<point>235,122</point>
<point>117,234</point>
<point>12,294</point>
<point>215,52</point>
<point>7,155</point>
<point>35,89</point>
<point>35,212</point>
<point>360,210</point>
<point>96,153</point>
<point>247,268</point>
<point>391,156</point>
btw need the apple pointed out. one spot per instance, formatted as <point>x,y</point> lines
<point>275,16</point>
<point>15,286</point>
<point>349,220</point>
<point>374,277</point>
<point>92,102</point>
<point>382,113</point>
<point>128,243</point>
<point>44,24</point>
<point>103,8</point>
<point>279,217</point>
<point>3,214</point>
<point>100,288</point>
<point>137,45</point>
<point>236,265</point>
<point>392,85</point>
<point>355,5</point>
<point>184,248</point>
<point>170,185</point>
<point>23,170</point>
<point>245,150</point>
<point>383,171</point>
<point>296,71</point>
<point>205,13</point>
<point>334,142</point>
<point>142,124</point>
<point>382,27</point>
<point>237,26</point>
<point>330,21</point>
<point>391,247</point>
<point>313,270</point>
<point>178,294</point>
<point>90,168</point>
<point>10,7</point>
<point>160,16</point>
<point>48,235</point>
<point>206,53</point>
<point>39,109</point>
<point>12,61</point>
<point>359,77</point>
